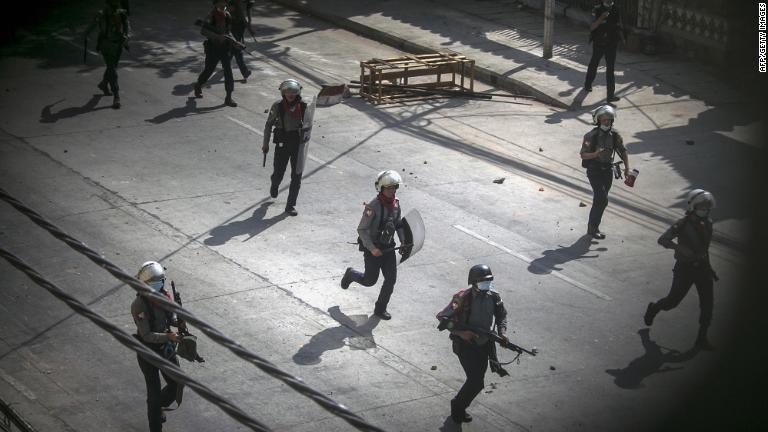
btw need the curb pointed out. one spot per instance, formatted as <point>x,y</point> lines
<point>482,74</point>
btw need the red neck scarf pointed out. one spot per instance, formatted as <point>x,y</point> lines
<point>293,108</point>
<point>163,292</point>
<point>387,202</point>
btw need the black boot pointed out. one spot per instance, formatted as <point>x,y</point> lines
<point>347,279</point>
<point>291,211</point>
<point>459,415</point>
<point>198,90</point>
<point>650,314</point>
<point>383,314</point>
<point>116,102</point>
<point>228,101</point>
<point>595,233</point>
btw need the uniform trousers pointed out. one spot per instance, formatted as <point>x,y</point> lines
<point>600,179</point>
<point>157,397</point>
<point>387,265</point>
<point>474,361</point>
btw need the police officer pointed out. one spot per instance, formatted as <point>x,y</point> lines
<point>287,117</point>
<point>597,152</point>
<point>153,326</point>
<point>693,233</point>
<point>218,49</point>
<point>241,17</point>
<point>605,33</point>
<point>480,307</point>
<point>381,220</point>
<point>114,32</point>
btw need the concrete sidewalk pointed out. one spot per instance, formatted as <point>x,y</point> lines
<point>505,38</point>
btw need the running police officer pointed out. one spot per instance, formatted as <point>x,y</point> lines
<point>693,233</point>
<point>482,308</point>
<point>597,151</point>
<point>287,117</point>
<point>218,49</point>
<point>605,33</point>
<point>153,326</point>
<point>114,32</point>
<point>381,220</point>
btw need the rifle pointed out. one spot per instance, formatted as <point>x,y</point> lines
<point>208,31</point>
<point>264,162</point>
<point>446,323</point>
<point>177,298</point>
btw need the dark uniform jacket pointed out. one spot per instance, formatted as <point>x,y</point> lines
<point>597,139</point>
<point>693,233</point>
<point>284,123</point>
<point>609,32</point>
<point>372,229</point>
<point>114,29</point>
<point>152,322</point>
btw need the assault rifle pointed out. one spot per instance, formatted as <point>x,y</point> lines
<point>177,298</point>
<point>446,323</point>
<point>188,344</point>
<point>209,31</point>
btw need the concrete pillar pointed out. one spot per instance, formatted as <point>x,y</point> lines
<point>549,27</point>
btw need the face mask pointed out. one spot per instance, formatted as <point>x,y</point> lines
<point>605,128</point>
<point>608,4</point>
<point>702,213</point>
<point>157,285</point>
<point>484,285</point>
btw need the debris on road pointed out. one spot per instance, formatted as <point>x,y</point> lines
<point>499,180</point>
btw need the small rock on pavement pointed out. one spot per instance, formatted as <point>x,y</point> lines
<point>690,142</point>
<point>500,180</point>
<point>581,204</point>
<point>433,368</point>
<point>541,189</point>
<point>541,149</point>
<point>425,162</point>
<point>551,368</point>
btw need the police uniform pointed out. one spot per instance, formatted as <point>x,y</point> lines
<point>239,22</point>
<point>218,50</point>
<point>605,39</point>
<point>114,29</point>
<point>599,170</point>
<point>152,324</point>
<point>693,233</point>
<point>477,309</point>
<point>287,120</point>
<point>376,229</point>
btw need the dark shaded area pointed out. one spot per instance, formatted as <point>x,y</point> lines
<point>653,361</point>
<point>190,108</point>
<point>552,258</point>
<point>356,329</point>
<point>251,226</point>
<point>48,116</point>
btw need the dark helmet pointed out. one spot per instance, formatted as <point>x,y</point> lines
<point>479,273</point>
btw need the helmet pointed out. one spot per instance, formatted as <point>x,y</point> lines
<point>152,274</point>
<point>386,179</point>
<point>290,85</point>
<point>479,273</point>
<point>602,111</point>
<point>699,199</point>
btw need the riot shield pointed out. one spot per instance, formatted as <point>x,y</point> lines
<point>413,229</point>
<point>306,134</point>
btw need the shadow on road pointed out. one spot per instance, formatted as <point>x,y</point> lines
<point>653,361</point>
<point>251,226</point>
<point>356,329</point>
<point>552,258</point>
<point>47,116</point>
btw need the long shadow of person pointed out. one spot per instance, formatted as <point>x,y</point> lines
<point>46,116</point>
<point>190,108</point>
<point>251,226</point>
<point>552,258</point>
<point>357,330</point>
<point>450,426</point>
<point>632,376</point>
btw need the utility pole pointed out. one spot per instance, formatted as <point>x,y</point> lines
<point>549,27</point>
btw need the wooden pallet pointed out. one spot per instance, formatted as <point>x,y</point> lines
<point>423,71</point>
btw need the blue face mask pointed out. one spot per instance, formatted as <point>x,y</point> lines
<point>157,285</point>
<point>702,213</point>
<point>484,285</point>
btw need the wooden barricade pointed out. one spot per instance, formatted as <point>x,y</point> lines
<point>412,76</point>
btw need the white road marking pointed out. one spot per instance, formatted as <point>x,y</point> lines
<point>527,260</point>
<point>17,385</point>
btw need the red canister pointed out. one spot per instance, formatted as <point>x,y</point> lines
<point>631,177</point>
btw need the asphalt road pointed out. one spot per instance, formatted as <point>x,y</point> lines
<point>179,180</point>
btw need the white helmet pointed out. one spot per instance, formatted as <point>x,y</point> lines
<point>602,111</point>
<point>699,199</point>
<point>386,179</point>
<point>290,85</point>
<point>152,274</point>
